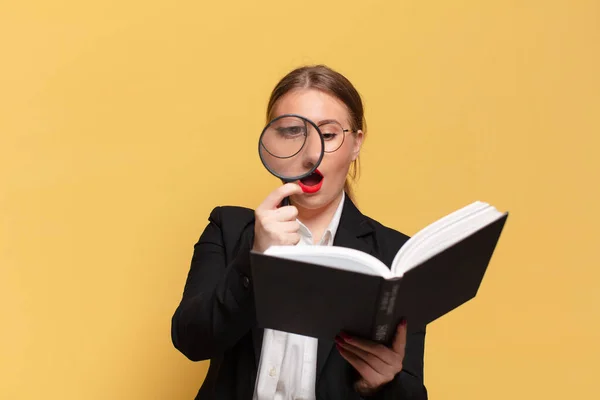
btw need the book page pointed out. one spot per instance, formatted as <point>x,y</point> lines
<point>333,257</point>
<point>430,229</point>
<point>442,234</point>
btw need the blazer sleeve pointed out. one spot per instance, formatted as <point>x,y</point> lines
<point>217,306</point>
<point>408,384</point>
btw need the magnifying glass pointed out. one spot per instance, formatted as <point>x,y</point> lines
<point>291,148</point>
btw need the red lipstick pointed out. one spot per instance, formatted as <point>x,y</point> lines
<point>312,183</point>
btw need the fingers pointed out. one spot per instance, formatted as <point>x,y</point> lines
<point>276,196</point>
<point>290,239</point>
<point>290,226</point>
<point>276,225</point>
<point>399,343</point>
<point>372,360</point>
<point>365,371</point>
<point>287,213</point>
<point>380,351</point>
<point>377,364</point>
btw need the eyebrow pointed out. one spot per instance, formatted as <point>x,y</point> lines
<point>327,121</point>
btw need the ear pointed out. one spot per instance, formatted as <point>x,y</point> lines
<point>358,141</point>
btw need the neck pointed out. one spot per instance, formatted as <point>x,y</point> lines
<point>318,219</point>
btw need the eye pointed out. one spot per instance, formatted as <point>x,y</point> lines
<point>330,131</point>
<point>291,132</point>
<point>329,136</point>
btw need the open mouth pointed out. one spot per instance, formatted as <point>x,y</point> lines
<point>312,183</point>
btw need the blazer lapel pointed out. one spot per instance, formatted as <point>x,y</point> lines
<point>352,232</point>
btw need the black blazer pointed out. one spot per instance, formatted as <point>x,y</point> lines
<point>216,320</point>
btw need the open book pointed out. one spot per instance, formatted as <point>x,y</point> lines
<point>321,290</point>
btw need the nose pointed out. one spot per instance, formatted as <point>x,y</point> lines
<point>312,149</point>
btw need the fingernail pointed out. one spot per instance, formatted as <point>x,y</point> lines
<point>337,346</point>
<point>338,339</point>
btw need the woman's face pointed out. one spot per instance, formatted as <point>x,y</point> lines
<point>319,106</point>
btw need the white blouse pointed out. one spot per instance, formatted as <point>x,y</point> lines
<point>288,362</point>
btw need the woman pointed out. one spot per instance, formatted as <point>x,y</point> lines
<point>215,319</point>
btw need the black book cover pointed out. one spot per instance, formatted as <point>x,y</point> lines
<point>319,301</point>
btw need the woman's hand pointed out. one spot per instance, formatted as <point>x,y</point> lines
<point>377,364</point>
<point>276,225</point>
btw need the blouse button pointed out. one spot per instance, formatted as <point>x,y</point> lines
<point>246,282</point>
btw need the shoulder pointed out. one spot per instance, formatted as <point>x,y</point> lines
<point>231,218</point>
<point>229,227</point>
<point>228,214</point>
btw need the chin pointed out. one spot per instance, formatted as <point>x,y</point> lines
<point>314,201</point>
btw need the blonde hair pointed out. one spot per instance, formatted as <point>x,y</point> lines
<point>323,78</point>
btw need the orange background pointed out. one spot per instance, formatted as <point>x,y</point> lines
<point>122,124</point>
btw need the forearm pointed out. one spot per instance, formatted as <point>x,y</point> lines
<point>210,322</point>
<point>217,306</point>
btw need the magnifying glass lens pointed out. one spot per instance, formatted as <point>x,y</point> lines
<point>285,145</point>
